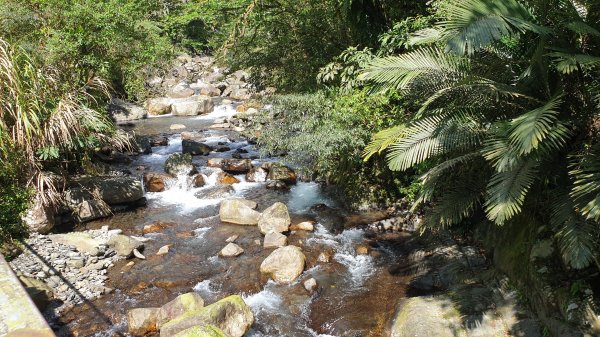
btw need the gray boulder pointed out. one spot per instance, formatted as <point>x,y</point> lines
<point>124,245</point>
<point>112,190</point>
<point>195,148</point>
<point>192,106</point>
<point>187,302</point>
<point>181,90</point>
<point>284,265</point>
<point>39,218</point>
<point>275,219</point>
<point>158,106</point>
<point>238,212</point>
<point>122,111</point>
<point>180,163</point>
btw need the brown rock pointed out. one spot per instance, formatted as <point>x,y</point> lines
<point>363,250</point>
<point>157,227</point>
<point>225,178</point>
<point>155,182</point>
<point>142,321</point>
<point>199,181</point>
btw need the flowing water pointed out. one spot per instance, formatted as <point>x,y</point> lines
<point>357,294</point>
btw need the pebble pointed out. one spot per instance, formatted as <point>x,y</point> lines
<point>163,250</point>
<point>232,238</point>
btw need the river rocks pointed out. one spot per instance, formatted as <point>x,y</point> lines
<point>275,218</point>
<point>156,227</point>
<point>124,245</point>
<point>310,285</point>
<point>257,175</point>
<point>181,90</point>
<point>202,331</point>
<point>195,148</point>
<point>231,250</point>
<point>284,264</point>
<point>199,180</point>
<point>225,178</point>
<point>156,182</point>
<point>158,106</point>
<point>249,203</point>
<point>231,165</point>
<point>214,192</point>
<point>238,212</point>
<point>142,321</point>
<point>232,238</point>
<point>274,240</point>
<point>282,173</point>
<point>122,111</point>
<point>192,106</point>
<point>179,163</point>
<point>277,185</point>
<point>164,250</point>
<point>231,314</point>
<point>363,250</point>
<point>308,226</point>
<point>83,242</point>
<point>180,305</point>
<point>209,90</point>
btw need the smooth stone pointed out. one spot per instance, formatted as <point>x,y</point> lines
<point>284,264</point>
<point>238,212</point>
<point>187,302</point>
<point>274,239</point>
<point>163,250</point>
<point>231,250</point>
<point>232,238</point>
<point>310,285</point>
<point>275,218</point>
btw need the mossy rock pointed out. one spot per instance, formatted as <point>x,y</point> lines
<point>202,331</point>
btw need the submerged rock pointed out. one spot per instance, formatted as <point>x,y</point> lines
<point>231,250</point>
<point>284,265</point>
<point>180,305</point>
<point>275,218</point>
<point>142,321</point>
<point>195,148</point>
<point>238,212</point>
<point>179,163</point>
<point>202,331</point>
<point>231,314</point>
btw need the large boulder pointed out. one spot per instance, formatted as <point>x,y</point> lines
<point>426,316</point>
<point>180,305</point>
<point>181,90</point>
<point>209,90</point>
<point>238,212</point>
<point>82,241</point>
<point>110,189</point>
<point>231,314</point>
<point>158,106</point>
<point>231,165</point>
<point>192,106</point>
<point>275,219</point>
<point>180,163</point>
<point>195,148</point>
<point>142,321</point>
<point>284,265</point>
<point>258,175</point>
<point>282,173</point>
<point>240,94</point>
<point>124,245</point>
<point>202,331</point>
<point>39,218</point>
<point>122,111</point>
<point>89,210</point>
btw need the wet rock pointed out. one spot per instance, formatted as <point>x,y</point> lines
<point>231,314</point>
<point>231,250</point>
<point>199,180</point>
<point>202,331</point>
<point>179,163</point>
<point>124,245</point>
<point>158,106</point>
<point>38,218</point>
<point>195,136</point>
<point>324,257</point>
<point>238,212</point>
<point>142,321</point>
<point>284,264</point>
<point>308,226</point>
<point>182,304</point>
<point>156,227</point>
<point>225,178</point>
<point>310,285</point>
<point>195,148</point>
<point>231,165</point>
<point>214,192</point>
<point>274,240</point>
<point>282,173</point>
<point>155,182</point>
<point>257,175</point>
<point>277,185</point>
<point>181,90</point>
<point>163,250</point>
<point>139,255</point>
<point>82,241</point>
<point>232,238</point>
<point>222,148</point>
<point>363,250</point>
<point>122,111</point>
<point>275,218</point>
<point>192,106</point>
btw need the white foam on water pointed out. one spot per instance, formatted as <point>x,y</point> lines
<point>201,232</point>
<point>264,301</point>
<point>115,330</point>
<point>206,288</point>
<point>220,111</point>
<point>304,195</point>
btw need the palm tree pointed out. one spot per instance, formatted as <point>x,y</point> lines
<point>509,106</point>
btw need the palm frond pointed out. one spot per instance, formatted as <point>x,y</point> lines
<point>474,24</point>
<point>382,140</point>
<point>583,28</point>
<point>399,72</point>
<point>569,63</point>
<point>586,184</point>
<point>506,191</point>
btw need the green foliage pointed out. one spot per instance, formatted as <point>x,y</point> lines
<point>14,200</point>
<point>500,117</point>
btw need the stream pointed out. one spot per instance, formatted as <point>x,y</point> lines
<point>357,295</point>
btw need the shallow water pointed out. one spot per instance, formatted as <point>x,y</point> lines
<point>357,295</point>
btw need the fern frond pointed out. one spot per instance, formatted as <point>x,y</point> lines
<point>507,190</point>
